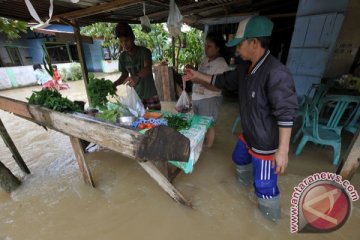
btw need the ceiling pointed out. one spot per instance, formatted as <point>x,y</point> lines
<point>195,12</point>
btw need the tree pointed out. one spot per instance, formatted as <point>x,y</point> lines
<point>158,41</point>
<point>106,31</point>
<point>12,28</point>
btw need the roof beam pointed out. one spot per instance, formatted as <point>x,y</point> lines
<point>106,7</point>
<point>199,4</point>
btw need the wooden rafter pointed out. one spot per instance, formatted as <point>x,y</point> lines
<point>106,7</point>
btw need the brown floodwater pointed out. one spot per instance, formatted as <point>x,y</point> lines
<point>54,203</point>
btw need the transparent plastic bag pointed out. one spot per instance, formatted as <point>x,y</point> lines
<point>174,21</point>
<point>145,21</point>
<point>183,104</point>
<point>145,24</point>
<point>129,98</point>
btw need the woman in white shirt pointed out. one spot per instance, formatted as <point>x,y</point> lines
<point>206,101</point>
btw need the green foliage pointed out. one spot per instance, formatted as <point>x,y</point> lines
<point>98,90</point>
<point>158,41</point>
<point>12,28</point>
<point>193,53</point>
<point>64,74</point>
<point>52,99</point>
<point>106,31</point>
<point>91,76</point>
<point>75,72</point>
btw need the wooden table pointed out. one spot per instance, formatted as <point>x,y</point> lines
<point>146,149</point>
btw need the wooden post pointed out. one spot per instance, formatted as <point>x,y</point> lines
<point>8,181</point>
<point>79,154</point>
<point>80,49</point>
<point>164,81</point>
<point>164,183</point>
<point>10,144</point>
<point>351,160</point>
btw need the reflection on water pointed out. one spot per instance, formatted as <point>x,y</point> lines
<point>54,203</point>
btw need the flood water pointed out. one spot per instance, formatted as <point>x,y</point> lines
<point>54,203</point>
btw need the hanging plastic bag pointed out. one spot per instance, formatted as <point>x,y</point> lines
<point>145,22</point>
<point>128,97</point>
<point>174,21</point>
<point>183,103</point>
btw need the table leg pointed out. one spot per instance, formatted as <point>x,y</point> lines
<point>164,183</point>
<point>79,154</point>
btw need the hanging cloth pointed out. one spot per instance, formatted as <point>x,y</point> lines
<point>174,21</point>
<point>34,14</point>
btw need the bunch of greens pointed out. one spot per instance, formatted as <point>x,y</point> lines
<point>178,122</point>
<point>114,111</point>
<point>52,99</point>
<point>98,90</point>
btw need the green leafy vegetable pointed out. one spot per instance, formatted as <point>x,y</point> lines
<point>52,99</point>
<point>178,122</point>
<point>98,90</point>
<point>114,111</point>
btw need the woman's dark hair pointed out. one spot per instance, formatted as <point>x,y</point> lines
<point>124,30</point>
<point>37,66</point>
<point>219,41</point>
<point>54,66</point>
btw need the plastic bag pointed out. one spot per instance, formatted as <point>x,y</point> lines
<point>183,103</point>
<point>174,21</point>
<point>145,24</point>
<point>129,98</point>
<point>145,21</point>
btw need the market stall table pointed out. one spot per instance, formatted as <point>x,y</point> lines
<point>153,150</point>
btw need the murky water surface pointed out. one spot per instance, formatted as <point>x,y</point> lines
<point>54,203</point>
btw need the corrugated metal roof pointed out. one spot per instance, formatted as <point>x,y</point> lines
<point>157,10</point>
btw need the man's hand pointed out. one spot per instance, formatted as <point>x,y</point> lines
<point>280,161</point>
<point>131,81</point>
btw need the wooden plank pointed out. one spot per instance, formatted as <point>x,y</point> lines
<point>15,106</point>
<point>10,144</point>
<point>351,160</point>
<point>164,183</point>
<point>79,154</point>
<point>155,141</point>
<point>106,7</point>
<point>126,141</point>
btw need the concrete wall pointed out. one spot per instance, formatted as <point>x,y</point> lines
<point>348,42</point>
<point>12,77</point>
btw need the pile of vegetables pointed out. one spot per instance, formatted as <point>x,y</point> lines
<point>113,112</point>
<point>52,99</point>
<point>98,90</point>
<point>178,122</point>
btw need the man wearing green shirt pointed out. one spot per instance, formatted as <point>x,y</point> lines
<point>135,65</point>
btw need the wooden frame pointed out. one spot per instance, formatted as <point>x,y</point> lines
<point>147,149</point>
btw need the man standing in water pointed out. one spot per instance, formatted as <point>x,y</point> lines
<point>268,105</point>
<point>135,65</point>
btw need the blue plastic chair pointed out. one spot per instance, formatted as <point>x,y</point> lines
<point>354,123</point>
<point>328,133</point>
<point>312,98</point>
<point>235,124</point>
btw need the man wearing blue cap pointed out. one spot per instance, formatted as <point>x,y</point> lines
<point>268,105</point>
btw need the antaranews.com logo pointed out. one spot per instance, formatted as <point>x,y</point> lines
<point>321,203</point>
